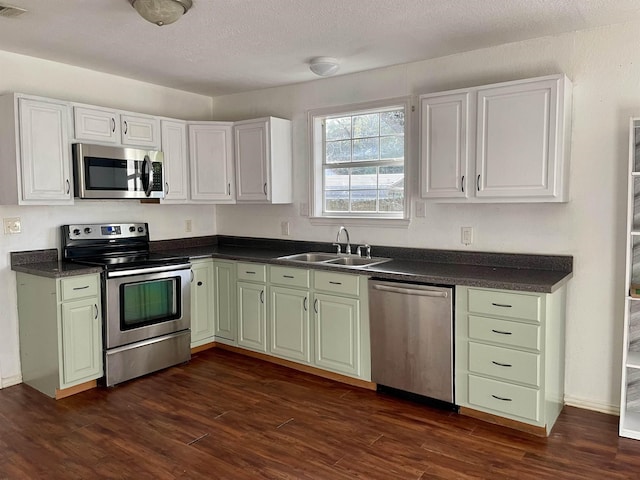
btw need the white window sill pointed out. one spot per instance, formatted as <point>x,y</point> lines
<point>362,221</point>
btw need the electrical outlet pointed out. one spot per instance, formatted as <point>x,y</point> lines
<point>466,234</point>
<point>187,225</point>
<point>12,225</point>
<point>284,227</point>
<point>421,209</point>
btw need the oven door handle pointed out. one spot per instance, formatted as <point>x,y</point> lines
<point>144,271</point>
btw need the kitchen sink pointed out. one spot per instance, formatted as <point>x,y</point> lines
<point>311,257</point>
<point>342,260</point>
<point>357,261</point>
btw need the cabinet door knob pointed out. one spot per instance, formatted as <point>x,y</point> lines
<point>113,124</point>
<point>95,305</point>
<point>166,188</point>
<point>462,184</point>
<point>68,186</point>
<point>478,183</point>
<point>261,296</point>
<point>199,284</point>
<point>315,305</point>
<point>264,188</point>
<point>125,127</point>
<point>304,304</point>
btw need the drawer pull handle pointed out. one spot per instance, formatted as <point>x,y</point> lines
<point>304,304</point>
<point>501,305</point>
<point>288,276</point>
<point>504,399</point>
<point>335,283</point>
<point>81,288</point>
<point>500,332</point>
<point>95,305</point>
<point>501,364</point>
<point>250,273</point>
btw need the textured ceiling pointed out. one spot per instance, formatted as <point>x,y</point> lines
<point>227,46</point>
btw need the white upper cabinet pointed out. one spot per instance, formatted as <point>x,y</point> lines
<point>34,151</point>
<point>95,124</point>
<point>211,162</point>
<point>444,150</point>
<point>176,161</point>
<point>518,133</point>
<point>263,161</point>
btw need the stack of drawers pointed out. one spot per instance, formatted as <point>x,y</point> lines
<point>501,355</point>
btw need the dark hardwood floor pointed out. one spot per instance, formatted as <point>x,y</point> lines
<point>226,416</point>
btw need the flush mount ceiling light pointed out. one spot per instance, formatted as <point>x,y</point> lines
<point>161,12</point>
<point>324,66</point>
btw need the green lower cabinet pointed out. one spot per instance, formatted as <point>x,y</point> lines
<point>337,333</point>
<point>510,354</point>
<point>224,302</point>
<point>202,312</point>
<point>60,331</point>
<point>252,331</point>
<point>289,324</point>
<point>81,341</point>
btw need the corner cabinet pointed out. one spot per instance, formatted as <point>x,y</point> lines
<point>211,161</point>
<point>60,333</point>
<point>509,359</point>
<point>507,142</point>
<point>35,151</point>
<point>630,389</point>
<point>263,161</point>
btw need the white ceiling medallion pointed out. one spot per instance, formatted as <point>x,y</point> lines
<point>161,12</point>
<point>324,66</point>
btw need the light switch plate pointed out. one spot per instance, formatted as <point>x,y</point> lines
<point>421,209</point>
<point>284,227</point>
<point>466,234</point>
<point>12,225</point>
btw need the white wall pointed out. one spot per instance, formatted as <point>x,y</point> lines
<point>603,65</point>
<point>40,224</point>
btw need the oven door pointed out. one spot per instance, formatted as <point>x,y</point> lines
<point>146,303</point>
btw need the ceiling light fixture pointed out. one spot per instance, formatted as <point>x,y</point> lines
<point>324,66</point>
<point>161,12</point>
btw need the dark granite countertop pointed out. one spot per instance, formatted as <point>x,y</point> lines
<point>523,272</point>
<point>45,263</point>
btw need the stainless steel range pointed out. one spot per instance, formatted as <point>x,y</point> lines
<point>146,297</point>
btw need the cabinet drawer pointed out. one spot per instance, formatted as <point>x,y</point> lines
<point>505,304</point>
<point>504,397</point>
<point>79,287</point>
<point>504,331</point>
<point>337,283</point>
<point>292,277</point>
<point>505,363</point>
<point>252,271</point>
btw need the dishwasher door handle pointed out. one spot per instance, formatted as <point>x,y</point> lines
<point>411,291</point>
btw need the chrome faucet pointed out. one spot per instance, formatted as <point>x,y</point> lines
<point>348,250</point>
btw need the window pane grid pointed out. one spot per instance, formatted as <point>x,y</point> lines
<point>363,163</point>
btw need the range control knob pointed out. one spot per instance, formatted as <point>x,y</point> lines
<point>141,229</point>
<point>87,230</point>
<point>132,229</point>
<point>76,231</point>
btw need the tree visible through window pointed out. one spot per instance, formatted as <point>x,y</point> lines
<point>363,165</point>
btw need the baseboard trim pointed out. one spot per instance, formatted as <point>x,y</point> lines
<point>354,382</point>
<point>10,381</point>
<point>201,348</point>
<point>591,405</point>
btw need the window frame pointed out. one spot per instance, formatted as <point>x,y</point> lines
<point>316,158</point>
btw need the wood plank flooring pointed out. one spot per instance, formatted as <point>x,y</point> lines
<point>227,416</point>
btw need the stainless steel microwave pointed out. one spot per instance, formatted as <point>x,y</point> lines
<point>117,172</point>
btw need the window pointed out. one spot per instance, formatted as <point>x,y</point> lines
<point>359,160</point>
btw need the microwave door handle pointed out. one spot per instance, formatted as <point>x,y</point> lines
<point>146,175</point>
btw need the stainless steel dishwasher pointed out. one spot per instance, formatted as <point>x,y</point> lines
<point>411,338</point>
